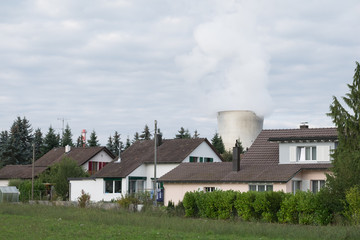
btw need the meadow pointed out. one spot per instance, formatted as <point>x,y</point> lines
<point>24,221</point>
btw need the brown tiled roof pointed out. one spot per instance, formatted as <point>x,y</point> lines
<point>259,164</point>
<point>170,151</point>
<point>80,155</point>
<point>19,171</point>
<point>263,151</point>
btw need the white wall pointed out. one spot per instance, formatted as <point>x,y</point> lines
<point>4,183</point>
<point>94,187</point>
<point>287,152</point>
<point>203,150</point>
<point>100,157</point>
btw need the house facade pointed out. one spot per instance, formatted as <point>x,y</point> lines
<point>287,160</point>
<point>91,159</point>
<point>135,171</point>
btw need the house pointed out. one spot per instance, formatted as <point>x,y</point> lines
<point>286,160</point>
<point>135,172</point>
<point>91,159</point>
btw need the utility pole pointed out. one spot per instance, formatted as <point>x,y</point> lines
<point>32,173</point>
<point>155,160</point>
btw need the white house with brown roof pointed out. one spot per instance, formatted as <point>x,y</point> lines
<point>135,172</point>
<point>91,159</point>
<point>279,160</point>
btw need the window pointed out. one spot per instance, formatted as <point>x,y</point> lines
<point>260,187</point>
<point>92,167</point>
<point>209,189</point>
<point>112,185</point>
<point>306,153</point>
<point>296,186</point>
<point>316,185</point>
<point>200,159</point>
<point>136,184</point>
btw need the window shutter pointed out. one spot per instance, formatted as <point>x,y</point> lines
<point>323,153</point>
<point>90,166</point>
<point>292,151</point>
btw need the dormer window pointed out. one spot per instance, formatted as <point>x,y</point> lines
<point>306,153</point>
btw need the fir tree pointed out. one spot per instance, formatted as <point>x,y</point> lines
<point>196,134</point>
<point>67,137</point>
<point>146,135</point>
<point>346,157</point>
<point>38,141</point>
<point>136,137</point>
<point>183,133</point>
<point>51,140</point>
<point>93,141</point>
<point>128,143</point>
<point>5,149</point>
<point>80,142</point>
<point>218,144</point>
<point>110,144</point>
<point>21,141</point>
<point>118,144</point>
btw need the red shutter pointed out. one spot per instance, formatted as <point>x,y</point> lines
<point>90,166</point>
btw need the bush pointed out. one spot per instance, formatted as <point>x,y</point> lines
<point>189,201</point>
<point>352,210</point>
<point>127,200</point>
<point>244,205</point>
<point>84,199</point>
<point>25,190</point>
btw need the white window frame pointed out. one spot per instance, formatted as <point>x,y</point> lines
<point>266,187</point>
<point>319,183</point>
<point>113,183</point>
<point>294,187</point>
<point>301,155</point>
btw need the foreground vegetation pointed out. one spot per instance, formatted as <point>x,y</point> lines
<point>49,222</point>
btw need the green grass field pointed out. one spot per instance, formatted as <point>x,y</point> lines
<point>22,221</point>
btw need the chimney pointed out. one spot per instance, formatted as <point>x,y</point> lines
<point>304,125</point>
<point>236,157</point>
<point>67,148</point>
<point>158,140</point>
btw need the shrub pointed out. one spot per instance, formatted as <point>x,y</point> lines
<point>288,212</point>
<point>127,200</point>
<point>244,205</point>
<point>84,199</point>
<point>189,201</point>
<point>352,210</point>
<point>25,190</point>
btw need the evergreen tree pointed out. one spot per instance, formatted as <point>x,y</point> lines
<point>110,144</point>
<point>51,140</point>
<point>5,149</point>
<point>346,157</point>
<point>146,135</point>
<point>21,141</point>
<point>128,143</point>
<point>93,141</point>
<point>38,141</point>
<point>67,137</point>
<point>218,143</point>
<point>136,137</point>
<point>196,134</point>
<point>80,142</point>
<point>118,144</point>
<point>183,133</point>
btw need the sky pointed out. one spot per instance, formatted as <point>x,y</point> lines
<point>117,65</point>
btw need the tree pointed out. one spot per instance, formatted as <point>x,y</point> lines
<point>136,137</point>
<point>346,157</point>
<point>39,142</point>
<point>51,140</point>
<point>110,144</point>
<point>218,143</point>
<point>67,137</point>
<point>118,144</point>
<point>128,143</point>
<point>60,172</point>
<point>80,142</point>
<point>183,133</point>
<point>146,135</point>
<point>93,142</point>
<point>21,140</point>
<point>5,149</point>
<point>196,134</point>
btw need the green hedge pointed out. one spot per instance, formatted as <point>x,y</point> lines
<point>301,208</point>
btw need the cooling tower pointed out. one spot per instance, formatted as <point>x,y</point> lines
<point>243,125</point>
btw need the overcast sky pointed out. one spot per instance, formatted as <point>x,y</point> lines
<point>117,65</point>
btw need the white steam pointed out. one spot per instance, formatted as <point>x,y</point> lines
<point>228,67</point>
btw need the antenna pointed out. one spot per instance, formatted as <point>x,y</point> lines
<point>62,128</point>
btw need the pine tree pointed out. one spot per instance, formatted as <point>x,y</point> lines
<point>196,134</point>
<point>21,141</point>
<point>128,143</point>
<point>38,141</point>
<point>218,144</point>
<point>67,137</point>
<point>183,133</point>
<point>51,140</point>
<point>118,144</point>
<point>346,157</point>
<point>93,141</point>
<point>146,135</point>
<point>136,137</point>
<point>80,142</point>
<point>110,144</point>
<point>5,149</point>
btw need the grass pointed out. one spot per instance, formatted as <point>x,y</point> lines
<point>22,221</point>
